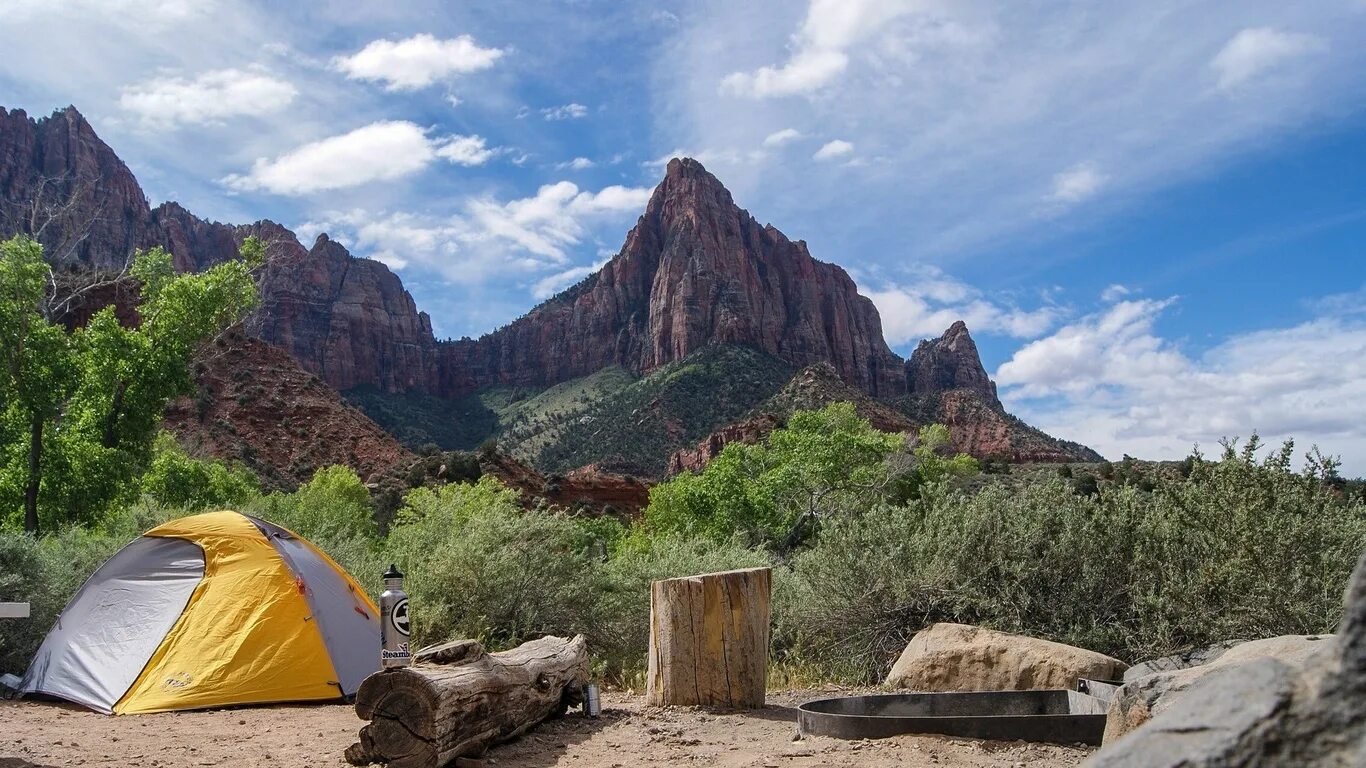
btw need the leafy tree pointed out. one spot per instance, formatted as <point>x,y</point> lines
<point>176,480</point>
<point>929,461</point>
<point>776,492</point>
<point>81,407</point>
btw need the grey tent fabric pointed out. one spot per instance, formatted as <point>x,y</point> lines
<point>108,632</point>
<point>349,629</point>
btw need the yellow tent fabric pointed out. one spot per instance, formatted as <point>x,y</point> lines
<point>246,635</point>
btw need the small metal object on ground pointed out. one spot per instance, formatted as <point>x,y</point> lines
<point>1059,717</point>
<point>592,701</point>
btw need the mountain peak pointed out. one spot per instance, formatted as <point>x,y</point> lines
<point>949,362</point>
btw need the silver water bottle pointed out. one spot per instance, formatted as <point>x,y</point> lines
<point>393,622</point>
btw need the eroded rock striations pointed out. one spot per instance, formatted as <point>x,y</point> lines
<point>695,270</point>
<point>947,363</point>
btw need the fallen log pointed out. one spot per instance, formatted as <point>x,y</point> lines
<point>458,700</point>
<point>709,640</point>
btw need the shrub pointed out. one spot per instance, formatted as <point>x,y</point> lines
<point>1240,549</point>
<point>480,566</point>
<point>176,480</point>
<point>334,512</point>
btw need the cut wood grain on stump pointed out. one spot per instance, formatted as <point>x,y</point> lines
<point>458,700</point>
<point>709,640</point>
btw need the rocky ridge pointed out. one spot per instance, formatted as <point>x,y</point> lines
<point>696,270</point>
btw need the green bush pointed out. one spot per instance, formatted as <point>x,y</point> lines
<point>174,479</point>
<point>480,566</point>
<point>1240,549</point>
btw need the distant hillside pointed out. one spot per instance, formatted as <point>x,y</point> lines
<point>254,404</point>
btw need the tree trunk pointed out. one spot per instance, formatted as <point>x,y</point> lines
<point>458,700</point>
<point>35,475</point>
<point>709,640</point>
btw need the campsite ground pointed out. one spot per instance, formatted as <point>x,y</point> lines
<point>628,734</point>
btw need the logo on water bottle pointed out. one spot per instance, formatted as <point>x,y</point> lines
<point>399,617</point>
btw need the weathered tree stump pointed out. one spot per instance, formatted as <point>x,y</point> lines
<point>709,640</point>
<point>457,700</point>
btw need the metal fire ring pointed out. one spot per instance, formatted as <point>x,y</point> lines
<point>1058,717</point>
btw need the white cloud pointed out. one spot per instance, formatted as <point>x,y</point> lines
<point>552,284</point>
<point>416,62</point>
<point>932,301</point>
<point>566,112</point>
<point>1255,51</point>
<point>491,239</point>
<point>1112,382</point>
<point>209,97</point>
<point>1078,183</point>
<point>577,164</point>
<point>1114,292</point>
<point>466,150</point>
<point>779,138</point>
<point>975,107</point>
<point>818,48</point>
<point>833,150</point>
<point>380,151</point>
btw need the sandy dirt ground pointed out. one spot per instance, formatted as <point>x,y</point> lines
<point>628,734</point>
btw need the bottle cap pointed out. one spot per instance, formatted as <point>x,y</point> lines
<point>392,573</point>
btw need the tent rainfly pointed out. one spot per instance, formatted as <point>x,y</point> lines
<point>211,610</point>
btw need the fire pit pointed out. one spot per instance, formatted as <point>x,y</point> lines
<point>1059,717</point>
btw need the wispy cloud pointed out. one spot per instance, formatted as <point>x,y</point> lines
<point>779,138</point>
<point>380,151</point>
<point>833,150</point>
<point>818,48</point>
<point>208,97</point>
<point>565,112</point>
<point>416,62</point>
<point>1078,183</point>
<point>489,238</point>
<point>930,301</point>
<point>1255,51</point>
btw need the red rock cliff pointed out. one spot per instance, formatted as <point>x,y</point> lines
<point>695,270</point>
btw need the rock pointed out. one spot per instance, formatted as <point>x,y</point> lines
<point>947,363</point>
<point>745,432</point>
<point>958,657</point>
<point>695,270</point>
<point>1139,700</point>
<point>1264,712</point>
<point>1186,660</point>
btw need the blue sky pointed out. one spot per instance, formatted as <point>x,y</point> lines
<point>1152,215</point>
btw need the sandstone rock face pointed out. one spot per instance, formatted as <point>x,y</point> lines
<point>950,362</point>
<point>1142,698</point>
<point>958,657</point>
<point>695,270</point>
<point>745,432</point>
<point>349,320</point>
<point>1265,712</point>
<point>60,181</point>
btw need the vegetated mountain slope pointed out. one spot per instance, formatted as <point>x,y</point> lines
<point>637,428</point>
<point>254,404</point>
<point>954,390</point>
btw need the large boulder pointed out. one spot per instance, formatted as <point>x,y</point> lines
<point>959,657</point>
<point>1139,700</point>
<point>1192,658</point>
<point>1265,712</point>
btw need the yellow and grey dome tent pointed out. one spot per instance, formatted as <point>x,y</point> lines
<point>210,610</point>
